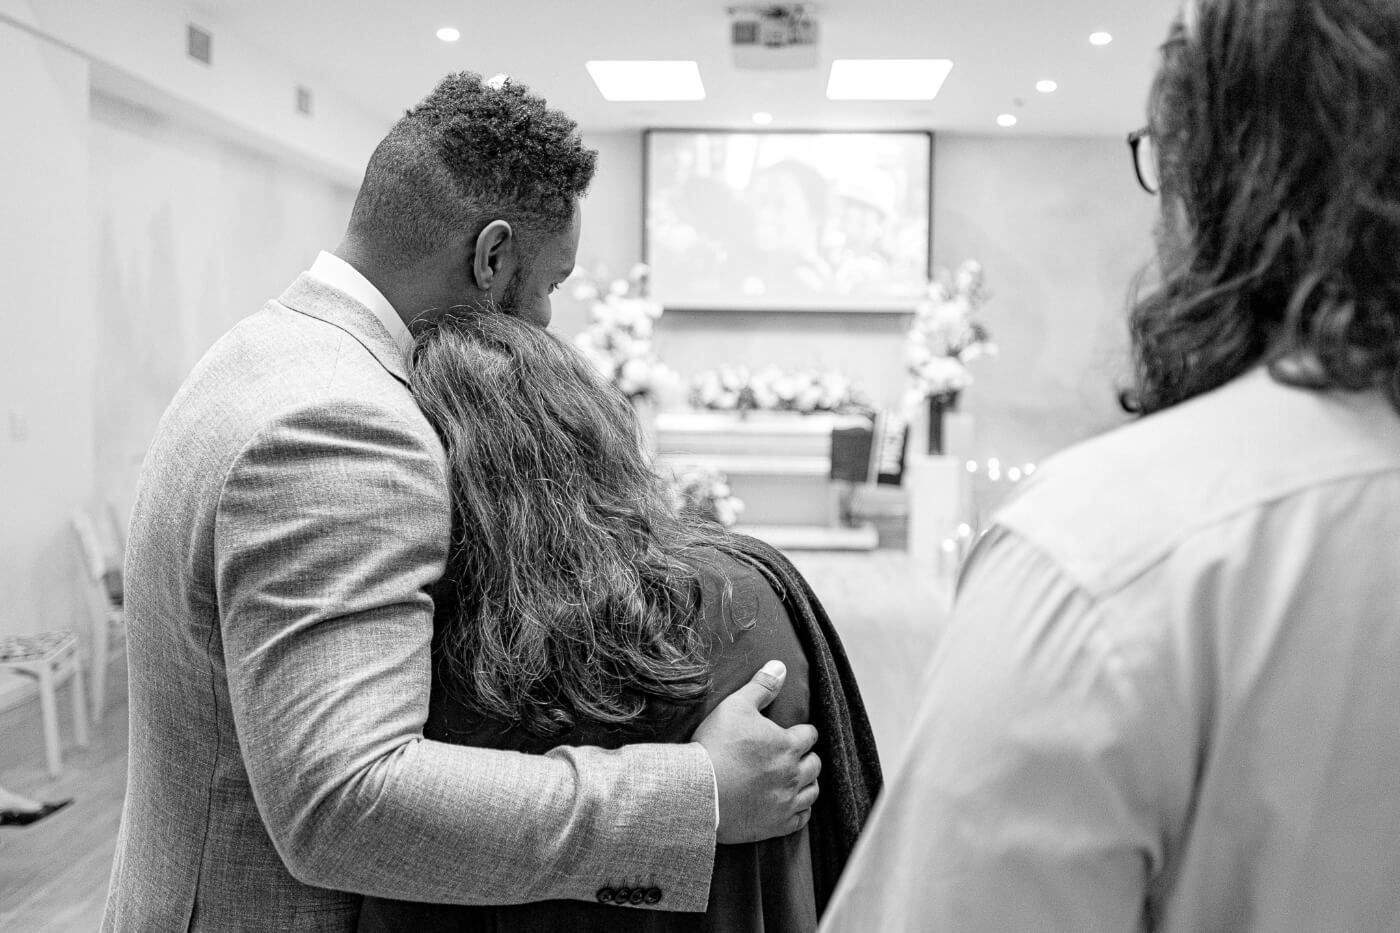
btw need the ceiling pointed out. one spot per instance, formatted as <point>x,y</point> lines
<point>384,56</point>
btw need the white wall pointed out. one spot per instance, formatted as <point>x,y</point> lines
<point>189,234</point>
<point>1062,229</point>
<point>1059,225</point>
<point>136,49</point>
<point>49,331</point>
<point>130,239</point>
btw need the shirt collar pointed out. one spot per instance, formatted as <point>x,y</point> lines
<point>331,270</point>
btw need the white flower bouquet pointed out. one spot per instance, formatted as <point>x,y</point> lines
<point>734,388</point>
<point>944,337</point>
<point>618,339</point>
<point>705,492</point>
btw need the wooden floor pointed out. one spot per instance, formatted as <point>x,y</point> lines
<point>53,875</point>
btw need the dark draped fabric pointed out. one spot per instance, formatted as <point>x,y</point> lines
<point>756,607</point>
<point>851,775</point>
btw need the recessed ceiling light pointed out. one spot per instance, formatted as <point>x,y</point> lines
<point>643,80</point>
<point>449,34</point>
<point>1046,86</point>
<point>1006,119</point>
<point>887,78</point>
<point>763,118</point>
<point>1100,38</point>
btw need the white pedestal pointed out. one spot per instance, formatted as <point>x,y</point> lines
<point>959,435</point>
<point>936,494</point>
<point>934,485</point>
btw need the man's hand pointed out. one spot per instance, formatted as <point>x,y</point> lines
<point>766,775</point>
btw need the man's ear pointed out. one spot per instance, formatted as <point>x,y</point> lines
<point>495,246</point>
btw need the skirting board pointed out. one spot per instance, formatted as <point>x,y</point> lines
<point>815,537</point>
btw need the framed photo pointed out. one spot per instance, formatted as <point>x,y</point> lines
<point>791,221</point>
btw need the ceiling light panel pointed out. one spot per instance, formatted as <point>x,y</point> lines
<point>647,80</point>
<point>887,78</point>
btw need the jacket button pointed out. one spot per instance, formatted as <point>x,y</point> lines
<point>622,895</point>
<point>605,895</point>
<point>638,895</point>
<point>653,895</point>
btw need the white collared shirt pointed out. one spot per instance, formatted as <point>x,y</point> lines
<point>335,272</point>
<point>1169,696</point>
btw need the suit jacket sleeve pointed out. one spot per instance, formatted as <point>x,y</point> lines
<point>331,522</point>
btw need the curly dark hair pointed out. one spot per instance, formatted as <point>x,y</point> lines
<point>1276,125</point>
<point>578,585</point>
<point>472,152</point>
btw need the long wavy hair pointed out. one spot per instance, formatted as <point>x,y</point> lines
<point>1276,125</point>
<point>577,582</point>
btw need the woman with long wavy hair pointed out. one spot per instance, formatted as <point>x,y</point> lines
<point>580,608</point>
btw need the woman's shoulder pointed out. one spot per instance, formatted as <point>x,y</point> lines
<point>721,569</point>
<point>750,626</point>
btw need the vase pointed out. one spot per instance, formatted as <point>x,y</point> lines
<point>938,406</point>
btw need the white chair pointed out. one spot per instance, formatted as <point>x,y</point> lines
<point>50,658</point>
<point>106,619</point>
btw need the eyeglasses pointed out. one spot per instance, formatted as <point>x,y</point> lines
<point>1144,160</point>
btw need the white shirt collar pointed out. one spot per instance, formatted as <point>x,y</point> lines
<point>331,270</point>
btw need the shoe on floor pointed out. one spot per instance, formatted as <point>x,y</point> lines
<point>27,817</point>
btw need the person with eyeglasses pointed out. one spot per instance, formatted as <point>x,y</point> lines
<point>1169,696</point>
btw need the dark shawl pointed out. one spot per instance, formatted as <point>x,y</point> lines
<point>851,776</point>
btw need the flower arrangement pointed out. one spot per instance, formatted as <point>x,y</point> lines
<point>618,337</point>
<point>733,388</point>
<point>705,492</point>
<point>943,337</point>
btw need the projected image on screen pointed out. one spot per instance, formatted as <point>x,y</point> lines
<point>793,221</point>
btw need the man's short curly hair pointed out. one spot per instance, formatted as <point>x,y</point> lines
<point>469,153</point>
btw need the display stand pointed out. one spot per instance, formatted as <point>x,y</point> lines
<point>778,463</point>
<point>938,490</point>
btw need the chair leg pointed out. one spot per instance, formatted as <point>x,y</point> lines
<point>80,705</point>
<point>101,639</point>
<point>48,712</point>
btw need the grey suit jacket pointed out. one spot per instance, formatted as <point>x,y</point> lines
<point>291,511</point>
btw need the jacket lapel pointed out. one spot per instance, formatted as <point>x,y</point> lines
<point>311,297</point>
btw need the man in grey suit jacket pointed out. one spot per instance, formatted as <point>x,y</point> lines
<point>292,510</point>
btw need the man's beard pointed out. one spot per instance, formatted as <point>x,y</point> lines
<point>510,300</point>
<point>509,304</point>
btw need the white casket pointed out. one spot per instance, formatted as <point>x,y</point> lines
<point>778,462</point>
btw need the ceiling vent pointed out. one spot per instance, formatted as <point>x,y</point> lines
<point>772,37</point>
<point>199,44</point>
